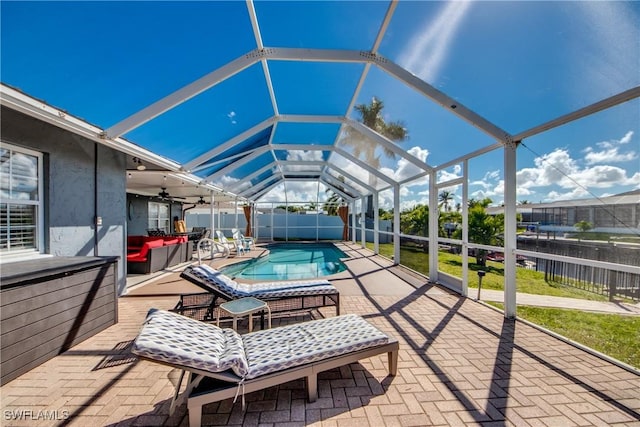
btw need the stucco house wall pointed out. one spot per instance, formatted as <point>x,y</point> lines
<point>84,190</point>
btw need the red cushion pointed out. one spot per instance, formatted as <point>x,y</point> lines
<point>147,239</point>
<point>136,257</point>
<point>154,243</point>
<point>170,241</point>
<point>135,241</point>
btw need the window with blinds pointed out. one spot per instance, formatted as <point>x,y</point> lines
<point>20,199</point>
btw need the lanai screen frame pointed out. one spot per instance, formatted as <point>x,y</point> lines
<point>113,136</point>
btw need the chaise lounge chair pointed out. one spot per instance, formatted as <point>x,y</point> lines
<point>221,363</point>
<point>282,297</point>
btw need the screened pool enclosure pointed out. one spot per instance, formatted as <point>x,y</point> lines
<point>297,108</point>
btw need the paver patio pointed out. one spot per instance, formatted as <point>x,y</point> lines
<point>460,363</point>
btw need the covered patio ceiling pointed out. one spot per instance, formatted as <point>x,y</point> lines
<point>259,97</point>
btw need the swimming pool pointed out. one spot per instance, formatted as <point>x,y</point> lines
<point>290,262</point>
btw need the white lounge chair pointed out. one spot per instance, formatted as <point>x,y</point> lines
<point>221,363</point>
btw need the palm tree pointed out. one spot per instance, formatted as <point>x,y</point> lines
<point>371,116</point>
<point>445,197</point>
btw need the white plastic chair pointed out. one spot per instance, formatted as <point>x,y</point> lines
<point>238,246</point>
<point>247,242</point>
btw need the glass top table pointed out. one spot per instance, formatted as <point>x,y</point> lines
<point>241,307</point>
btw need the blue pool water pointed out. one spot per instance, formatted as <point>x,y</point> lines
<point>290,262</point>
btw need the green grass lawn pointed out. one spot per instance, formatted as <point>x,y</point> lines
<point>527,281</point>
<point>614,335</point>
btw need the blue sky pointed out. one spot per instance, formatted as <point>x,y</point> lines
<point>517,64</point>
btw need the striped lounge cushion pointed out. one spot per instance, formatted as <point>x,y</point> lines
<point>178,340</point>
<point>276,349</point>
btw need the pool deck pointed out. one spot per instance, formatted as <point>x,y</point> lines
<point>460,363</point>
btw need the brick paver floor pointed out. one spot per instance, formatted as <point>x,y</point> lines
<point>460,363</point>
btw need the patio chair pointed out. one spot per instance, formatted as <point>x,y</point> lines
<point>247,242</point>
<point>282,297</point>
<point>232,245</point>
<point>221,363</point>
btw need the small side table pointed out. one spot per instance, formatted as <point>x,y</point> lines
<point>241,307</point>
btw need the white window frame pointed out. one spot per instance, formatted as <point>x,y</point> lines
<point>11,255</point>
<point>158,218</point>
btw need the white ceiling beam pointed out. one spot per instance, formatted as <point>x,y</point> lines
<point>225,159</point>
<point>185,93</point>
<point>253,17</point>
<point>612,101</point>
<point>413,178</point>
<point>351,177</point>
<point>257,153</point>
<point>302,162</point>
<point>236,185</point>
<point>229,143</point>
<point>302,147</point>
<point>325,179</point>
<point>473,154</point>
<point>257,196</point>
<point>254,24</point>
<point>383,27</point>
<point>441,99</point>
<point>388,144</point>
<point>310,118</point>
<point>265,183</point>
<point>315,55</point>
<point>288,174</point>
<point>362,164</point>
<point>346,185</point>
<point>337,190</point>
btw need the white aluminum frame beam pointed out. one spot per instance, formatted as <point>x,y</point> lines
<point>336,190</point>
<point>225,159</point>
<point>362,164</point>
<point>346,185</point>
<point>257,153</point>
<point>184,94</point>
<point>257,196</point>
<point>302,163</point>
<point>255,174</point>
<point>510,231</point>
<point>230,143</point>
<point>441,99</point>
<point>265,67</point>
<point>351,177</point>
<point>302,147</point>
<point>473,154</point>
<point>256,188</point>
<point>612,101</point>
<point>387,144</point>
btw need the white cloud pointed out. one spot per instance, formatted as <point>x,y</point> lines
<point>610,151</point>
<point>427,51</point>
<point>558,168</point>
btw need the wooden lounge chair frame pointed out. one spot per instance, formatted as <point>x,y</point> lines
<point>202,306</point>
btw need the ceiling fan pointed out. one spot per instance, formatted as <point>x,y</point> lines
<point>165,195</point>
<point>202,201</point>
